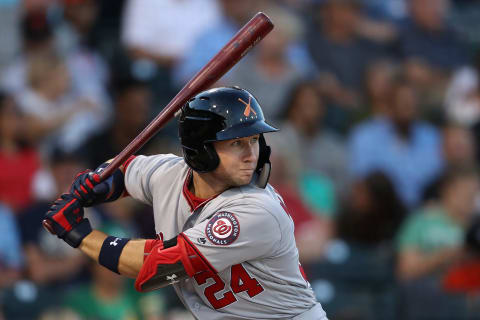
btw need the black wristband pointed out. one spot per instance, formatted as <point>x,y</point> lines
<point>110,253</point>
<point>75,236</point>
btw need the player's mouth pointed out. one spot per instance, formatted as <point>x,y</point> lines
<point>246,172</point>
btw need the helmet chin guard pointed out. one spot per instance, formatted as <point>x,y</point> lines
<point>222,114</point>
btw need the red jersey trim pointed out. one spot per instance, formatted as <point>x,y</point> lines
<point>198,253</point>
<point>125,166</point>
<point>127,162</point>
<point>193,201</point>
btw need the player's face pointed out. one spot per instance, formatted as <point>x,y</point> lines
<point>238,160</point>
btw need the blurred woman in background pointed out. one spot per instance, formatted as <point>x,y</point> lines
<point>55,116</point>
<point>18,161</point>
<point>374,212</point>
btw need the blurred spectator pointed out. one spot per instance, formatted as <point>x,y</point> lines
<point>32,5</point>
<point>458,152</point>
<point>26,301</point>
<point>389,10</point>
<point>458,146</point>
<point>18,161</point>
<point>88,71</point>
<point>341,57</point>
<point>463,277</point>
<point>426,36</point>
<point>10,15</point>
<point>162,31</point>
<point>462,98</point>
<point>55,116</point>
<point>49,262</point>
<point>269,72</point>
<point>399,144</point>
<point>307,145</point>
<point>234,14</point>
<point>50,267</point>
<point>132,99</point>
<point>306,163</point>
<point>157,35</point>
<point>11,255</point>
<point>312,230</point>
<point>432,238</point>
<point>432,50</point>
<point>373,213</point>
<point>379,79</point>
<point>37,39</point>
<point>431,245</point>
<point>74,30</point>
<point>377,22</point>
<point>106,32</point>
<point>112,297</point>
<point>358,264</point>
<point>465,18</point>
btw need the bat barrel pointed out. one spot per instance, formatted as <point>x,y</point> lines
<point>245,39</point>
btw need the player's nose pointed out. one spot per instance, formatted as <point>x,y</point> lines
<point>250,154</point>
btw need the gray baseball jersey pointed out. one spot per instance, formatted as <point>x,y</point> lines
<point>244,233</point>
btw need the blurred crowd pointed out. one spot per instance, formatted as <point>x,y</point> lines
<point>378,102</point>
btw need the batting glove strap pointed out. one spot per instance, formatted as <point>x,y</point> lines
<point>64,214</point>
<point>75,236</point>
<point>88,189</point>
<point>116,186</point>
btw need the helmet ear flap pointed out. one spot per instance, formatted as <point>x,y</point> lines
<point>202,161</point>
<point>264,152</point>
<point>263,165</point>
<point>213,159</point>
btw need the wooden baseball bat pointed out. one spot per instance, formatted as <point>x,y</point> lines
<point>244,40</point>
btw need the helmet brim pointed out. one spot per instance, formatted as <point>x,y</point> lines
<point>244,130</point>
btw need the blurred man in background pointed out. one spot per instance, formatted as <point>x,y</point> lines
<point>407,149</point>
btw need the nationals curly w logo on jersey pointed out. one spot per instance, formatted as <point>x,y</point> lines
<point>223,228</point>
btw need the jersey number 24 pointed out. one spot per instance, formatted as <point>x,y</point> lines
<point>240,281</point>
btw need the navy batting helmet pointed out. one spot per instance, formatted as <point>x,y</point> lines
<point>220,114</point>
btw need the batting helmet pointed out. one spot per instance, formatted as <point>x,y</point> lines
<point>220,114</point>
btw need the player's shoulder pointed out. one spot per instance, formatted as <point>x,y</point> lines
<point>154,162</point>
<point>164,158</point>
<point>260,201</point>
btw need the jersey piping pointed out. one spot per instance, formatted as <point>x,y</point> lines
<point>193,202</point>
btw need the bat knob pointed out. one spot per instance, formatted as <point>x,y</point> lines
<point>48,226</point>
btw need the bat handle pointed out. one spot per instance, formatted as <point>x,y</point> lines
<point>47,225</point>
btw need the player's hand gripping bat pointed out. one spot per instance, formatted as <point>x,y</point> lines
<point>245,39</point>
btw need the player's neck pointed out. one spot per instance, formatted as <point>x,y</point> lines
<point>205,186</point>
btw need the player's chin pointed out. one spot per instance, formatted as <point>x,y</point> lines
<point>244,177</point>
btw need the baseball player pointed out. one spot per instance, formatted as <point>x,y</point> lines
<point>225,241</point>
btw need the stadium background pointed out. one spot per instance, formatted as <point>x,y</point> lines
<point>379,106</point>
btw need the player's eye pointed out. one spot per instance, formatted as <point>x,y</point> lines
<point>254,140</point>
<point>236,143</point>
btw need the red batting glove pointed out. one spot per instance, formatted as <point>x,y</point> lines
<point>65,219</point>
